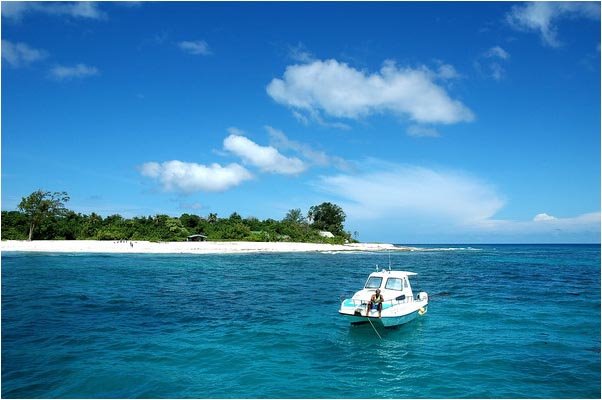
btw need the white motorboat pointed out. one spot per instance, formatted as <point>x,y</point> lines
<point>399,304</point>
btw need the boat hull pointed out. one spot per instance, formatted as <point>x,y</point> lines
<point>385,321</point>
<point>389,317</point>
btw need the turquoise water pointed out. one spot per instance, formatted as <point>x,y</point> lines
<point>503,321</point>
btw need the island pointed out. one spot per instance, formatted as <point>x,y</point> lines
<point>42,223</point>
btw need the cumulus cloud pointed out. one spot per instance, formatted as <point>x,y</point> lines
<point>542,17</point>
<point>279,140</point>
<point>16,10</point>
<point>341,91</point>
<point>543,217</point>
<point>408,191</point>
<point>61,72</point>
<point>20,54</point>
<point>197,47</point>
<point>186,177</point>
<point>267,158</point>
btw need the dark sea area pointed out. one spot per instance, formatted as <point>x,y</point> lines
<point>504,321</point>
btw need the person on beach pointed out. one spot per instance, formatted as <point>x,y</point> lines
<point>375,300</point>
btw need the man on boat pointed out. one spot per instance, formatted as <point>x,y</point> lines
<point>377,300</point>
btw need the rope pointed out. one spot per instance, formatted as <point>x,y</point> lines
<point>373,327</point>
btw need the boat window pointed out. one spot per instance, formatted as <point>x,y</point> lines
<point>405,282</point>
<point>374,282</point>
<point>393,284</point>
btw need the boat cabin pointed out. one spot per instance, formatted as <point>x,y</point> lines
<point>392,284</point>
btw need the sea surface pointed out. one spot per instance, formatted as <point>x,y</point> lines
<point>504,321</point>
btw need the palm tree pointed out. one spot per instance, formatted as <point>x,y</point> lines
<point>212,218</point>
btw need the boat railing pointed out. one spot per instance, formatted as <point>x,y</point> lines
<point>391,302</point>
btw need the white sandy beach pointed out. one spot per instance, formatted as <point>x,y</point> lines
<point>97,246</point>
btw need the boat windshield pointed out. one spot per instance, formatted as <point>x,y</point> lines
<point>393,284</point>
<point>374,282</point>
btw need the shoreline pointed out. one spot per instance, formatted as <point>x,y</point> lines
<point>145,247</point>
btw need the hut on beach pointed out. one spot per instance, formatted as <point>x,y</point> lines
<point>196,238</point>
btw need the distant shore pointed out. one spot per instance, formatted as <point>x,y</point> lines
<point>135,246</point>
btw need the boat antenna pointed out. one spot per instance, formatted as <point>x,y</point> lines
<point>389,260</point>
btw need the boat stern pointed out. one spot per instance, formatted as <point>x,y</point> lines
<point>353,307</point>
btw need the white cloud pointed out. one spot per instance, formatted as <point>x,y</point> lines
<point>422,131</point>
<point>61,72</point>
<point>20,54</point>
<point>151,169</point>
<point>14,9</point>
<point>17,10</point>
<point>301,118</point>
<point>267,158</point>
<point>584,227</point>
<point>490,62</point>
<point>279,140</point>
<point>191,206</point>
<point>446,71</point>
<point>300,53</point>
<point>543,217</point>
<point>409,191</point>
<point>197,47</point>
<point>344,92</point>
<point>542,17</point>
<point>191,177</point>
<point>497,52</point>
<point>497,71</point>
<point>417,202</point>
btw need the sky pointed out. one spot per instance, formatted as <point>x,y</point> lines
<point>427,122</point>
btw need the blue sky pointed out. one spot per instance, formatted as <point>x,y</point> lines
<point>427,122</point>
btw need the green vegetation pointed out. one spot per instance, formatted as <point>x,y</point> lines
<point>40,206</point>
<point>43,216</point>
<point>327,217</point>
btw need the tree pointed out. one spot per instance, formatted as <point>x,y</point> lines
<point>176,230</point>
<point>68,227</point>
<point>90,226</point>
<point>42,215</point>
<point>294,216</point>
<point>212,218</point>
<point>235,217</point>
<point>253,223</point>
<point>41,205</point>
<point>14,225</point>
<point>190,221</point>
<point>328,217</point>
<point>115,227</point>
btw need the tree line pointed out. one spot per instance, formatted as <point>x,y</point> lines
<point>43,216</point>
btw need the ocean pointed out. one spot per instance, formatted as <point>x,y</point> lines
<point>504,321</point>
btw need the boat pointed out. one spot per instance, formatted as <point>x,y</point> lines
<point>399,304</point>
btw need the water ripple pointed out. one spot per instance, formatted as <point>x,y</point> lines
<point>504,322</point>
